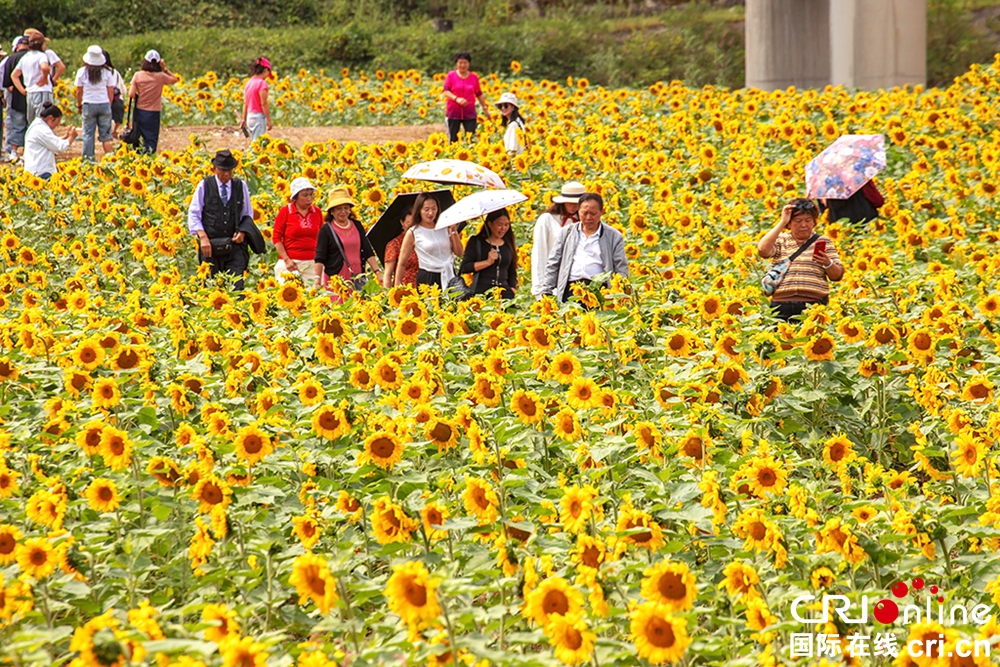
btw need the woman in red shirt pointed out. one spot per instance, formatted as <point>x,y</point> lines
<point>295,232</point>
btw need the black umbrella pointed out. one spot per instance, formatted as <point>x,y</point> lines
<point>389,224</point>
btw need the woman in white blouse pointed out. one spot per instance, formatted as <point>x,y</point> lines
<point>511,118</point>
<point>548,227</point>
<point>436,248</point>
<point>41,143</point>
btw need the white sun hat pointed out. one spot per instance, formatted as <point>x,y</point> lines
<point>508,98</point>
<point>299,184</point>
<point>94,56</point>
<point>153,56</point>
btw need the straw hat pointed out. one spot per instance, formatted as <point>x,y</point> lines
<point>299,184</point>
<point>508,98</point>
<point>571,192</point>
<point>31,33</point>
<point>94,56</point>
<point>339,196</point>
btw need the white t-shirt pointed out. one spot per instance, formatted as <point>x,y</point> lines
<point>31,71</point>
<point>511,143</point>
<point>95,93</point>
<point>40,147</point>
<point>587,261</point>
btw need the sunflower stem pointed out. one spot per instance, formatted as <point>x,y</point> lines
<point>451,630</point>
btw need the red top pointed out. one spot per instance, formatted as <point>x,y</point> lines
<point>412,264</point>
<point>297,232</point>
<point>469,89</point>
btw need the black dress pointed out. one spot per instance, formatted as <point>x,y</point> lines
<point>502,274</point>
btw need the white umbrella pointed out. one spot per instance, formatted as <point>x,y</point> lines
<point>478,204</point>
<point>458,172</point>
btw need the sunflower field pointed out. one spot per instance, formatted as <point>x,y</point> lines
<point>189,478</point>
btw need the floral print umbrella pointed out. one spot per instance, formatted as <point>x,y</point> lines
<point>457,172</point>
<point>845,166</point>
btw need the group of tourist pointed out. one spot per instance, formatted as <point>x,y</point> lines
<point>29,74</point>
<point>571,243</point>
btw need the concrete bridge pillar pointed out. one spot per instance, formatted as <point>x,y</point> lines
<point>866,44</point>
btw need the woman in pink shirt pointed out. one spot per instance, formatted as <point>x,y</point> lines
<point>295,232</point>
<point>342,247</point>
<point>256,109</point>
<point>461,87</point>
<point>146,92</point>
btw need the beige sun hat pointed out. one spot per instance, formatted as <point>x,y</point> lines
<point>571,192</point>
<point>339,196</point>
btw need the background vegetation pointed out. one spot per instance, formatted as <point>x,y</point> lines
<point>610,43</point>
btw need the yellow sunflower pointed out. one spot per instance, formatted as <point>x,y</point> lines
<point>659,636</point>
<point>36,558</point>
<point>740,580</point>
<point>412,594</point>
<point>330,422</point>
<point>969,455</point>
<point>672,584</point>
<point>252,444</point>
<point>9,538</point>
<point>383,449</point>
<point>565,367</point>
<point>820,348</point>
<point>481,500</point>
<point>584,393</point>
<point>528,406</point>
<point>433,516</point>
<point>571,640</point>
<point>307,529</point>
<point>313,580</point>
<point>566,426</point>
<point>223,623</point>
<point>838,451</point>
<point>576,506</point>
<point>115,448</point>
<point>765,475</point>
<point>390,523</point>
<point>554,596</point>
<point>442,433</point>
<point>102,495</point>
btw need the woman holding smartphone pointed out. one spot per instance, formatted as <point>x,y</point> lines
<point>806,281</point>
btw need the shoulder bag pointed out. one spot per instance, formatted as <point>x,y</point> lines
<point>359,280</point>
<point>769,283</point>
<point>131,134</point>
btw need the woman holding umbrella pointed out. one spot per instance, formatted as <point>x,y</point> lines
<point>435,248</point>
<point>492,256</point>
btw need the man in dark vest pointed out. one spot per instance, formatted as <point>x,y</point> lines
<point>220,203</point>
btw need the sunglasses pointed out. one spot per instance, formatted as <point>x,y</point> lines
<point>505,105</point>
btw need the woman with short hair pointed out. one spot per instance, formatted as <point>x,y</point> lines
<point>146,92</point>
<point>41,143</point>
<point>806,281</point>
<point>462,89</point>
<point>295,232</point>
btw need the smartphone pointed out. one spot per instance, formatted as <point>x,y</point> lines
<point>246,132</point>
<point>819,246</point>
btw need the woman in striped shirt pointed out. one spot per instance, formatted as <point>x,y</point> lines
<point>806,281</point>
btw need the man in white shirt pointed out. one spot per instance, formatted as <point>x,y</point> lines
<point>218,208</point>
<point>584,250</point>
<point>38,70</point>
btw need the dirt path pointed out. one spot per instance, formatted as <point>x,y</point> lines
<point>218,137</point>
